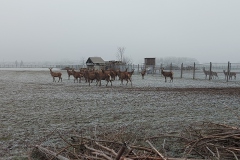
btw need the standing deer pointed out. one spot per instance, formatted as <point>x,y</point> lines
<point>167,74</point>
<point>125,76</point>
<point>214,74</point>
<point>230,74</point>
<point>143,73</point>
<point>56,74</point>
<point>102,75</point>
<point>77,76</point>
<point>206,73</point>
<point>69,73</point>
<point>90,76</point>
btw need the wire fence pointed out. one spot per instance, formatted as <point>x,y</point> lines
<point>209,71</point>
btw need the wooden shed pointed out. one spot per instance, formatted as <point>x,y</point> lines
<point>149,61</point>
<point>149,64</point>
<point>95,63</point>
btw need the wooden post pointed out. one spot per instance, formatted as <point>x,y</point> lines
<point>210,71</point>
<point>228,71</point>
<point>121,151</point>
<point>194,65</point>
<point>161,66</point>
<point>138,68</point>
<point>181,69</point>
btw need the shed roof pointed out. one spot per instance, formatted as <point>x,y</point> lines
<point>95,60</point>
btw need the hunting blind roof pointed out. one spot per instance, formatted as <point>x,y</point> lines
<point>95,60</point>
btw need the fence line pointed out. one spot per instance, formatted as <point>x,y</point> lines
<point>192,71</point>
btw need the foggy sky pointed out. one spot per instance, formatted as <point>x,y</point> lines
<point>59,30</point>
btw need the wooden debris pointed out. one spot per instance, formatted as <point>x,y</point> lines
<point>198,142</point>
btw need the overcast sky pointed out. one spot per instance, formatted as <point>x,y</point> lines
<point>70,30</point>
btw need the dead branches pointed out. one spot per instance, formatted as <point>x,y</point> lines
<point>203,141</point>
<point>214,140</point>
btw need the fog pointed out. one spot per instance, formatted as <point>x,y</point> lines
<point>60,30</point>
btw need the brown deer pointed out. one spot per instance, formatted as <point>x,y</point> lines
<point>167,74</point>
<point>90,76</point>
<point>77,76</point>
<point>102,75</point>
<point>125,76</point>
<point>111,72</point>
<point>231,74</point>
<point>56,74</point>
<point>143,73</point>
<point>206,72</point>
<point>214,74</point>
<point>131,73</point>
<point>69,73</point>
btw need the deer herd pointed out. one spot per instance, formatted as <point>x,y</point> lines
<point>215,75</point>
<point>90,75</point>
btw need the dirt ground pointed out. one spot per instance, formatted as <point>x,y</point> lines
<point>32,106</point>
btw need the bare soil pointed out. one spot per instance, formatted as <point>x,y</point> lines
<point>32,106</point>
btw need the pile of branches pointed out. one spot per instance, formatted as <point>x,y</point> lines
<point>199,141</point>
<point>215,141</point>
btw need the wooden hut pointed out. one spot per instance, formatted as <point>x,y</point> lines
<point>149,64</point>
<point>96,63</point>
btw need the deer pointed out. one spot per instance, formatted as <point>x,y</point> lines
<point>111,72</point>
<point>131,73</point>
<point>143,73</point>
<point>84,72</point>
<point>90,76</point>
<point>69,73</point>
<point>56,74</point>
<point>124,76</point>
<point>102,75</point>
<point>214,74</point>
<point>231,74</point>
<point>117,73</point>
<point>77,76</point>
<point>206,73</point>
<point>167,74</point>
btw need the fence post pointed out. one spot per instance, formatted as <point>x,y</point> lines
<point>228,70</point>
<point>210,71</point>
<point>194,65</point>
<point>181,69</point>
<point>161,67</point>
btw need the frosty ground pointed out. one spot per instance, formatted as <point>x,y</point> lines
<point>32,106</point>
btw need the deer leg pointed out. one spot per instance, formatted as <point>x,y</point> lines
<point>127,81</point>
<point>107,83</point>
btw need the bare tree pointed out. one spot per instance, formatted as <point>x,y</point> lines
<point>121,57</point>
<point>83,62</point>
<point>16,63</point>
<point>120,53</point>
<point>21,63</point>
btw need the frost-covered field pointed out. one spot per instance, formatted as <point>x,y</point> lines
<point>31,106</point>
